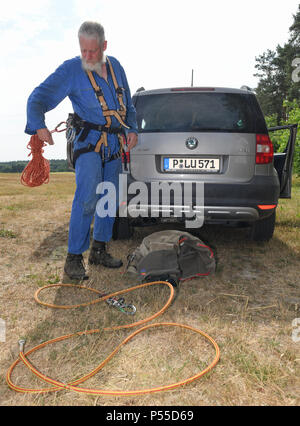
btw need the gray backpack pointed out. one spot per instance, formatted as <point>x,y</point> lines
<point>170,256</point>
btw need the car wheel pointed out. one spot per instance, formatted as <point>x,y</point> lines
<point>262,230</point>
<point>122,229</point>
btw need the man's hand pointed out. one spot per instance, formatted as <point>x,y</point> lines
<point>132,140</point>
<point>45,136</point>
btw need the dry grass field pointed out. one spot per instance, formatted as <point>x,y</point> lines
<point>248,307</point>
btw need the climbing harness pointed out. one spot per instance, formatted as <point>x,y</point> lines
<point>76,125</point>
<point>57,385</point>
<point>119,114</point>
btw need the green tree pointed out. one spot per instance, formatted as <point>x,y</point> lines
<point>280,138</point>
<point>275,72</point>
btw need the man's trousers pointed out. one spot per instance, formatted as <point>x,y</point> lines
<point>97,194</point>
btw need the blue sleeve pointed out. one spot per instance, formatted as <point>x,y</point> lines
<point>46,97</point>
<point>131,112</point>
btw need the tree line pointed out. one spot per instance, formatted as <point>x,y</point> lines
<point>278,89</point>
<point>19,166</point>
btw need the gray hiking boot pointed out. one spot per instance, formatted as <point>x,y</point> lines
<point>74,267</point>
<point>99,256</point>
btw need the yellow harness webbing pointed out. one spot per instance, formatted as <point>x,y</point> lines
<point>120,114</point>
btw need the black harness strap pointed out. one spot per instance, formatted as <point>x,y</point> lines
<point>87,126</point>
<point>91,148</point>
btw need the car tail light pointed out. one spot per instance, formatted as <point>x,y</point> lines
<point>126,157</point>
<point>264,149</point>
<point>266,206</point>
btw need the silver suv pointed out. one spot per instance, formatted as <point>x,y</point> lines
<point>213,137</point>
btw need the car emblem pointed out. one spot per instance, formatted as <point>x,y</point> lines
<point>191,143</point>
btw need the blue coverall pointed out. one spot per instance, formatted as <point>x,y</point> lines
<point>71,80</point>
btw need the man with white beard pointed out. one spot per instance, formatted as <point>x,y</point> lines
<point>99,122</point>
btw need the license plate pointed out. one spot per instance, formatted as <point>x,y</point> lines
<point>191,164</point>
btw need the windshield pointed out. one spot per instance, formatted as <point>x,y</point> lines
<point>199,112</point>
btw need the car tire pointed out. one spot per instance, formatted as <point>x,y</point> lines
<point>122,229</point>
<point>262,230</point>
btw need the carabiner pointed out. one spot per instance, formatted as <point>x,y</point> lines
<point>121,306</point>
<point>57,127</point>
<point>132,310</point>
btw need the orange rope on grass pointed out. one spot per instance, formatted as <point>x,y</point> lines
<point>58,385</point>
<point>37,170</point>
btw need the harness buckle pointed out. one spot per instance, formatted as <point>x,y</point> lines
<point>105,156</point>
<point>98,92</point>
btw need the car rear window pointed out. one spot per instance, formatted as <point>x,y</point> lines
<point>199,112</point>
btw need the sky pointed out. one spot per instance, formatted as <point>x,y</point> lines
<point>158,42</point>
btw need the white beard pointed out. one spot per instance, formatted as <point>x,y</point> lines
<point>97,67</point>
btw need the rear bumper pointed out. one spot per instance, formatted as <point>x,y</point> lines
<point>212,214</point>
<point>220,203</point>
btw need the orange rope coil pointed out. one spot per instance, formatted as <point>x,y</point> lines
<point>37,170</point>
<point>57,385</point>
